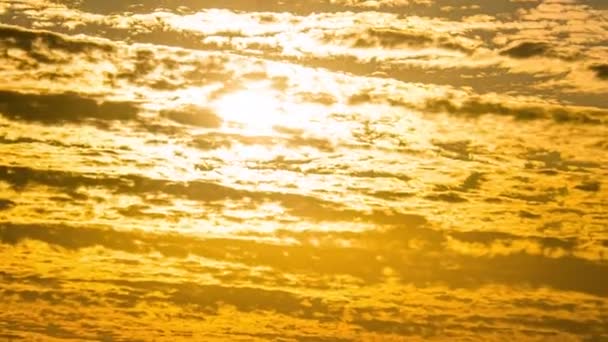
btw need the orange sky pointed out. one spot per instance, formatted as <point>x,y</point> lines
<point>317,170</point>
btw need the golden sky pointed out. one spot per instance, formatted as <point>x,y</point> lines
<point>314,170</point>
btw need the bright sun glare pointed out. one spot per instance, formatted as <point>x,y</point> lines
<point>255,107</point>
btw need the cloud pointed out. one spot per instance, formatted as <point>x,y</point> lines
<point>555,160</point>
<point>45,46</point>
<point>321,98</point>
<point>392,38</point>
<point>477,106</point>
<point>215,140</point>
<point>460,150</point>
<point>19,178</point>
<point>464,102</point>
<point>97,65</point>
<point>54,109</point>
<point>283,35</point>
<point>6,204</point>
<point>376,4</point>
<point>193,115</point>
<point>476,258</point>
<point>299,206</point>
<point>307,167</point>
<point>591,186</point>
<point>527,50</point>
<point>450,193</point>
<point>169,69</point>
<point>449,197</point>
<point>601,71</point>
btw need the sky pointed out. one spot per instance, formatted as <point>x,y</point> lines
<point>314,170</point>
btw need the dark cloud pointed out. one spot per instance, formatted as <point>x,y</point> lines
<point>301,206</point>
<point>528,215</point>
<point>304,7</point>
<point>322,98</point>
<point>372,251</point>
<point>60,236</point>
<point>393,38</point>
<point>43,46</point>
<point>24,39</point>
<point>300,140</point>
<point>144,63</point>
<point>245,299</point>
<point>554,160</point>
<point>426,329</point>
<point>476,107</point>
<point>391,195</point>
<point>597,4</point>
<point>292,139</point>
<point>51,142</point>
<point>450,197</point>
<point>451,44</point>
<point>193,115</point>
<point>489,237</point>
<point>379,174</point>
<point>544,327</point>
<point>601,71</point>
<point>472,182</point>
<point>460,150</point>
<point>577,212</point>
<point>543,196</point>
<point>461,8</point>
<point>213,141</point>
<point>360,98</point>
<point>527,50</point>
<point>142,212</point>
<point>450,193</point>
<point>591,186</point>
<point>198,300</point>
<point>6,204</point>
<point>204,298</point>
<point>61,108</point>
<point>172,70</point>
<point>19,178</point>
<point>300,166</point>
<point>480,79</point>
<point>159,69</point>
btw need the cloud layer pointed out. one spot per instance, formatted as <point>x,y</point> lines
<point>310,170</point>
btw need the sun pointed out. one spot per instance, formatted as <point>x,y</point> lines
<point>256,108</point>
